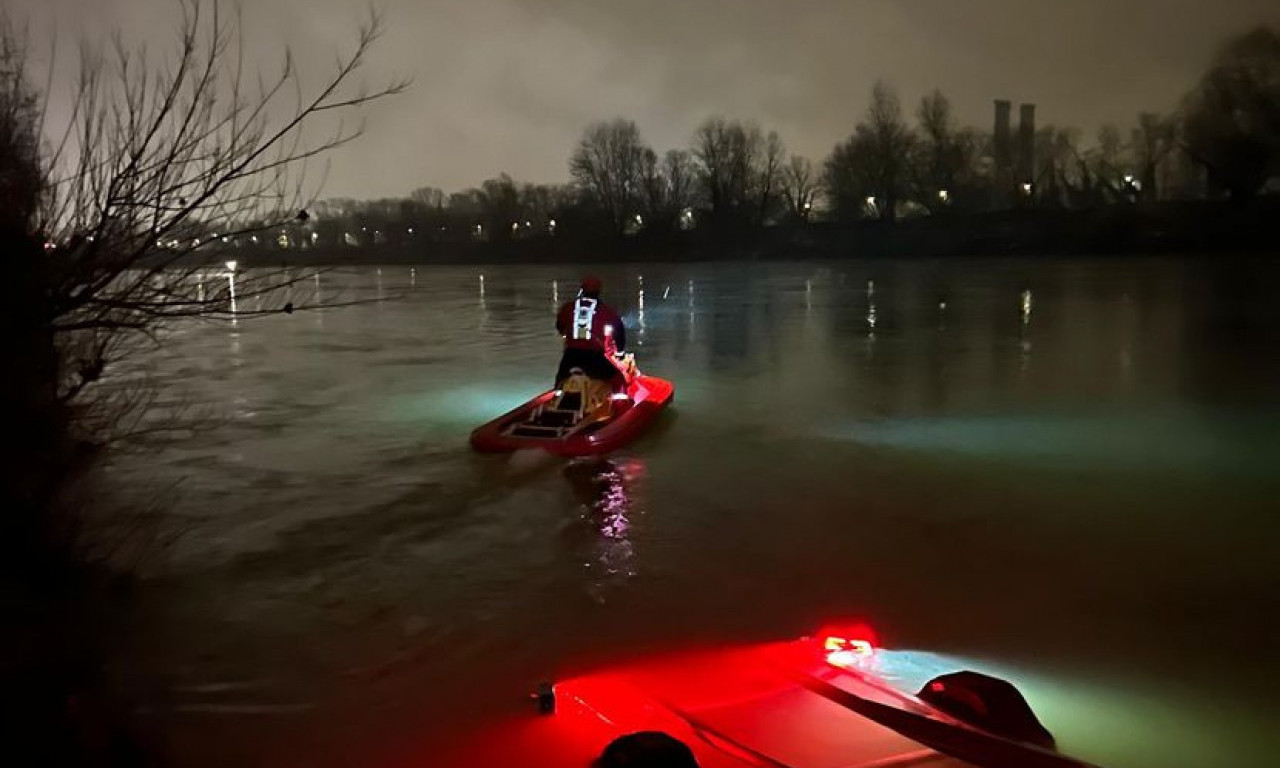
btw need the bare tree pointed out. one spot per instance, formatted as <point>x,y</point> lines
<point>36,451</point>
<point>606,165</point>
<point>740,170</point>
<point>666,187</point>
<point>655,193</point>
<point>768,178</point>
<point>165,167</point>
<point>21,175</point>
<point>1232,121</point>
<point>944,159</point>
<point>1103,167</point>
<point>800,187</point>
<point>1153,139</point>
<point>499,202</point>
<point>867,173</point>
<point>1057,175</point>
<point>539,204</point>
<point>428,197</point>
<point>681,174</point>
<point>713,150</point>
<point>1110,148</point>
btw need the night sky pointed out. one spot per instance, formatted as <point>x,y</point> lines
<point>508,85</point>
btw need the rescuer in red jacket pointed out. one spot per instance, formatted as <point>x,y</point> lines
<point>592,333</point>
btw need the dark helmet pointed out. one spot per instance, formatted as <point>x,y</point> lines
<point>647,749</point>
<point>591,286</point>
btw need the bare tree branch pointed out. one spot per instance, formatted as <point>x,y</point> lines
<point>164,163</point>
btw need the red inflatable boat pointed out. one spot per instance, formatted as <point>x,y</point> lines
<point>819,702</point>
<point>564,423</point>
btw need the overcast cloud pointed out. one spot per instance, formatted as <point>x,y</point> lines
<point>508,85</point>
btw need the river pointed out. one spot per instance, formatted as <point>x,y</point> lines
<point>1064,472</point>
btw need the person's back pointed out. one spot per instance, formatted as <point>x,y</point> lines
<point>592,332</point>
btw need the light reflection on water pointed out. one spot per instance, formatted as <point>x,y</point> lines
<point>1084,519</point>
<point>1074,708</point>
<point>1134,443</point>
<point>610,493</point>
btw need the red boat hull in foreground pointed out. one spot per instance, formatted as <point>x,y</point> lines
<point>648,395</point>
<point>779,705</point>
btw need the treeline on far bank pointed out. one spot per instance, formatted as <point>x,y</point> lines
<point>1169,228</point>
<point>902,183</point>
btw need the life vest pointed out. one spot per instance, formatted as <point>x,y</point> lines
<point>584,315</point>
<point>585,331</point>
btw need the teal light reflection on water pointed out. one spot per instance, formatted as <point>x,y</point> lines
<point>463,405</point>
<point>1119,443</point>
<point>1110,722</point>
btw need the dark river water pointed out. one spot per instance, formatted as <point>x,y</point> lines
<point>1062,472</point>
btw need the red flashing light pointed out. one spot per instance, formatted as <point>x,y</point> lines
<point>848,647</point>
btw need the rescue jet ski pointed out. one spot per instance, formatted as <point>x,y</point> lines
<point>825,701</point>
<point>583,417</point>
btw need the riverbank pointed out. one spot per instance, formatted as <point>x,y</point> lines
<point>1163,228</point>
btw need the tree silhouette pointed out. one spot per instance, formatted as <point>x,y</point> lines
<point>500,208</point>
<point>943,162</point>
<point>769,178</point>
<point>1232,124</point>
<point>1153,139</point>
<point>867,173</point>
<point>666,187</point>
<point>607,166</point>
<point>740,171</point>
<point>800,187</point>
<point>164,167</point>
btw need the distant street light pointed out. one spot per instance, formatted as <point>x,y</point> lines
<point>231,284</point>
<point>944,195</point>
<point>1027,187</point>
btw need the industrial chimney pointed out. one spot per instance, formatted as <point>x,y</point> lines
<point>1027,144</point>
<point>1001,136</point>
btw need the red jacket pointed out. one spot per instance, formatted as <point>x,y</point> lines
<point>586,323</point>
